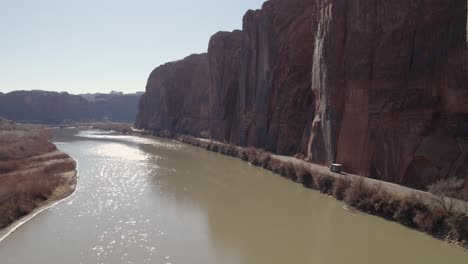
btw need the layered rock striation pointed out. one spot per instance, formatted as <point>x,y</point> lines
<point>379,86</point>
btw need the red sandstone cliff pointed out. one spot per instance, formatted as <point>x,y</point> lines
<point>176,98</point>
<point>275,100</point>
<point>390,83</point>
<point>224,56</point>
<point>379,86</point>
<point>259,83</point>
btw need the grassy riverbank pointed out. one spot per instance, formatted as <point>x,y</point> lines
<point>32,171</point>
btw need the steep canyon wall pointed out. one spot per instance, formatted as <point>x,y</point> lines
<point>379,86</point>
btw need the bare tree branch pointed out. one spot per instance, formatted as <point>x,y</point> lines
<point>447,191</point>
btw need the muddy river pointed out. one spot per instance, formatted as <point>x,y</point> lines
<point>142,200</point>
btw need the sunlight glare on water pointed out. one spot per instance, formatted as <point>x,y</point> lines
<point>106,135</point>
<point>119,151</point>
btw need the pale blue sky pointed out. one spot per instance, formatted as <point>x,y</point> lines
<point>85,46</point>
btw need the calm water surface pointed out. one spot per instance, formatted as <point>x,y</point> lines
<point>157,201</point>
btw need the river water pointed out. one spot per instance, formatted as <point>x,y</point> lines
<point>142,200</point>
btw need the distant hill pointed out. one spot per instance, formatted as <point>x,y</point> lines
<point>44,107</point>
<point>110,96</point>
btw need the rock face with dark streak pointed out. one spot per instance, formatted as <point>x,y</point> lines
<point>391,85</point>
<point>379,86</point>
<point>224,65</point>
<point>275,100</point>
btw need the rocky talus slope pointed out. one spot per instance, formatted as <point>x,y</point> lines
<point>379,86</point>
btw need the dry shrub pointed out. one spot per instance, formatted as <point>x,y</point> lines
<point>59,167</point>
<point>429,221</point>
<point>214,147</point>
<point>282,170</point>
<point>275,165</point>
<point>255,157</point>
<point>232,151</point>
<point>289,171</point>
<point>24,144</point>
<point>201,144</point>
<point>458,223</point>
<point>7,212</point>
<point>222,149</point>
<point>406,212</point>
<point>252,154</point>
<point>302,174</point>
<point>264,158</point>
<point>308,181</point>
<point>340,187</point>
<point>285,169</point>
<point>26,194</point>
<point>208,146</point>
<point>380,202</point>
<point>324,184</point>
<point>16,207</point>
<point>9,166</point>
<point>414,213</point>
<point>187,139</point>
<point>243,155</point>
<point>357,192</point>
<point>447,191</point>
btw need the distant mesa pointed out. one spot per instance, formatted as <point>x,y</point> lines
<point>44,107</point>
<point>108,96</point>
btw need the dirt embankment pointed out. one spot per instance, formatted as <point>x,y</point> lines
<point>33,173</point>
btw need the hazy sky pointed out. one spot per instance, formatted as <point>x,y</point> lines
<point>84,46</point>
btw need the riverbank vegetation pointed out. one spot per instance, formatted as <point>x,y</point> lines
<point>19,142</point>
<point>30,168</point>
<point>26,192</point>
<point>437,217</point>
<point>124,128</point>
